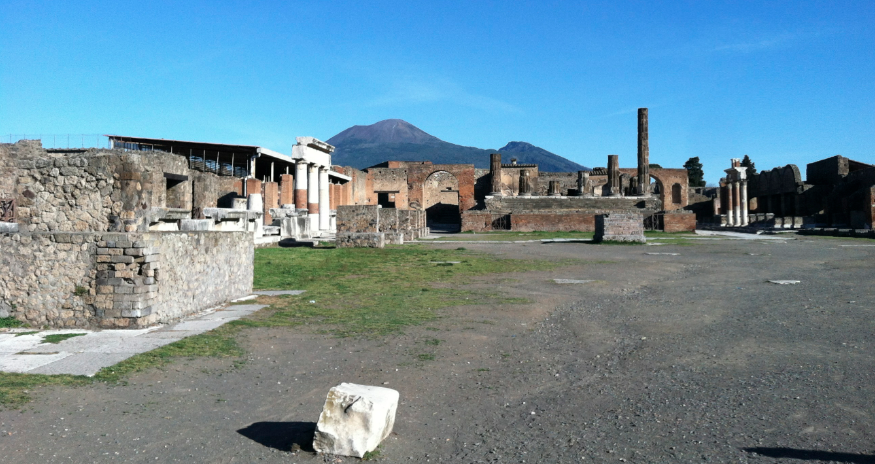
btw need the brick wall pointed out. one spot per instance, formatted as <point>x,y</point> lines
<point>552,222</point>
<point>679,222</point>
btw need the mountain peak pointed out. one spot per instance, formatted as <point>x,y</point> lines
<point>385,131</point>
<point>517,146</point>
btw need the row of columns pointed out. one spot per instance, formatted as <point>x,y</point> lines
<point>736,209</point>
<point>313,194</point>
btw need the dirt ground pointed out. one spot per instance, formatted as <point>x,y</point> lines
<point>661,358</point>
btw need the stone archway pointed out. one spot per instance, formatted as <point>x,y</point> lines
<point>440,193</point>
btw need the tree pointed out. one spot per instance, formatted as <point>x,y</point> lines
<point>751,168</point>
<point>694,172</point>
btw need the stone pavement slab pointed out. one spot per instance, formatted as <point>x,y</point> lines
<point>278,292</point>
<point>24,363</point>
<point>81,364</point>
<point>89,353</point>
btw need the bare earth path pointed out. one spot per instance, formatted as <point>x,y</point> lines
<point>662,358</point>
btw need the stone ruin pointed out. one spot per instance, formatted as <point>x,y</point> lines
<point>374,226</point>
<point>619,227</point>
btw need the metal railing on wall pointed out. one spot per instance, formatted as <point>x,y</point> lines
<point>61,141</point>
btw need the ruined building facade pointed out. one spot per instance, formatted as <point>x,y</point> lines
<point>837,192</point>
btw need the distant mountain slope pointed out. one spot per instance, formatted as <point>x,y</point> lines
<point>526,153</point>
<point>398,140</point>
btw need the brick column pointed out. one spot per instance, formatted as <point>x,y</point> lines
<point>300,185</point>
<point>287,190</point>
<point>332,196</point>
<point>271,197</point>
<point>525,183</point>
<point>582,181</point>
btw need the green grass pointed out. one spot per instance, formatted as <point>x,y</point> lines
<point>15,389</point>
<point>10,322</point>
<point>20,334</point>
<point>217,343</point>
<point>372,292</point>
<point>58,338</point>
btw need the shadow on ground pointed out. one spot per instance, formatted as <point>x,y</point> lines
<point>813,455</point>
<point>281,435</point>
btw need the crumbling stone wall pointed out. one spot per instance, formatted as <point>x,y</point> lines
<point>48,279</point>
<point>106,190</point>
<point>358,218</point>
<point>553,222</point>
<point>119,280</point>
<point>7,171</point>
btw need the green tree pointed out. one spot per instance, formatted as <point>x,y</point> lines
<point>751,168</point>
<point>695,172</point>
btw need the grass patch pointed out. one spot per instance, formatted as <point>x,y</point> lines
<point>370,291</point>
<point>27,333</point>
<point>15,389</point>
<point>58,338</point>
<point>10,322</point>
<point>217,343</point>
<point>433,342</point>
<point>425,357</point>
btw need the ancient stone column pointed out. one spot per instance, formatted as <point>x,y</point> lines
<point>643,154</point>
<point>495,172</point>
<point>743,200</point>
<point>313,196</point>
<point>525,183</point>
<point>613,175</point>
<point>324,206</point>
<point>300,185</point>
<point>736,203</point>
<point>582,181</point>
<point>554,189</point>
<point>727,208</point>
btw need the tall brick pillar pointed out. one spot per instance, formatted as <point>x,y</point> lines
<point>495,172</point>
<point>271,199</point>
<point>287,189</point>
<point>614,174</point>
<point>253,186</point>
<point>643,154</point>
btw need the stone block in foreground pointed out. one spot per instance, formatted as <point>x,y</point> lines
<point>619,227</point>
<point>355,419</point>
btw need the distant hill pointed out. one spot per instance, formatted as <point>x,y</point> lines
<point>398,140</point>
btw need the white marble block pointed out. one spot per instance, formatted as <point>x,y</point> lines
<point>355,419</point>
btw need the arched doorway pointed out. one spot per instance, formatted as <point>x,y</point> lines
<point>441,201</point>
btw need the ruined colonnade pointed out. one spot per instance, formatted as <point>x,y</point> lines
<point>735,191</point>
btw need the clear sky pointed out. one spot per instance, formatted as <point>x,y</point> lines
<point>784,82</point>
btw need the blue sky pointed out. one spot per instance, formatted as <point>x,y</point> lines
<point>784,82</point>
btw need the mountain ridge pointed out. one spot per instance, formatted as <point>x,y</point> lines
<point>398,140</point>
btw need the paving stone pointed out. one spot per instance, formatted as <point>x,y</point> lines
<point>22,363</point>
<point>785,282</point>
<point>571,281</point>
<point>81,363</point>
<point>198,325</point>
<point>225,315</point>
<point>10,344</point>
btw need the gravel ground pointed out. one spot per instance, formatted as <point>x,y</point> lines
<point>692,357</point>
